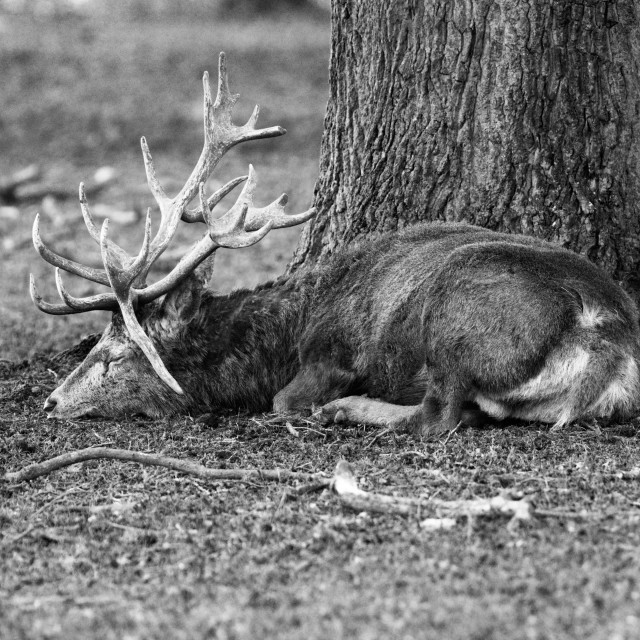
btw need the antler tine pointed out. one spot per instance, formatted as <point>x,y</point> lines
<point>274,212</point>
<point>95,275</point>
<point>170,214</point>
<point>52,309</point>
<point>155,187</point>
<point>137,266</point>
<point>121,277</point>
<point>104,301</point>
<point>225,100</point>
<point>229,231</point>
<point>195,215</point>
<point>204,205</point>
<point>122,255</point>
<point>86,214</point>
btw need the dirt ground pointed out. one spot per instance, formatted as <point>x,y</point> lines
<point>117,550</point>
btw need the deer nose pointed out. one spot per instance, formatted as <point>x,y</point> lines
<point>50,404</point>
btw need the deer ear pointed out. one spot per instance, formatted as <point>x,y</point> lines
<point>204,270</point>
<point>182,303</point>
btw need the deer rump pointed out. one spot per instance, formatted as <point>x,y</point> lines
<point>442,323</point>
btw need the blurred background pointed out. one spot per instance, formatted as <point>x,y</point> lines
<point>82,80</point>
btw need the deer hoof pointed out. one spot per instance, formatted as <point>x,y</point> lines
<point>330,414</point>
<point>340,416</point>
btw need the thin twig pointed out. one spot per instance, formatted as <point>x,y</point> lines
<point>451,433</point>
<point>320,433</point>
<point>292,430</point>
<point>311,487</point>
<point>377,437</point>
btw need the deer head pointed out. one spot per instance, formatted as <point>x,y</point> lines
<point>120,374</point>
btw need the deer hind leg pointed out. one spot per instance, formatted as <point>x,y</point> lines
<point>578,382</point>
<point>607,389</point>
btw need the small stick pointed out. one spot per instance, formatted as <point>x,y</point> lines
<point>311,487</point>
<point>378,436</point>
<point>290,428</point>
<point>185,466</point>
<point>451,433</point>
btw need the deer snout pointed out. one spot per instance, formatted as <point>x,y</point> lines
<point>62,405</point>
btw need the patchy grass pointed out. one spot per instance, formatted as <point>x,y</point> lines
<point>110,550</point>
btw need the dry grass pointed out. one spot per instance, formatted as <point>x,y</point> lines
<point>107,550</point>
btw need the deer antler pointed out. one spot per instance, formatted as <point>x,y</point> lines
<point>242,226</point>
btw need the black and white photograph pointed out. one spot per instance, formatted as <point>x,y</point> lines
<point>320,319</point>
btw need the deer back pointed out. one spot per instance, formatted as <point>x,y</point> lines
<point>453,296</point>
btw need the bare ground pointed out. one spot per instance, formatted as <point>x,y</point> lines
<point>109,550</point>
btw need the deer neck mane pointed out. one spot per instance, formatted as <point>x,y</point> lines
<point>240,348</point>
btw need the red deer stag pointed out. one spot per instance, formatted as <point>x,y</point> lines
<point>420,329</point>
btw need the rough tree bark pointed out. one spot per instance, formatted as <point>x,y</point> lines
<point>514,115</point>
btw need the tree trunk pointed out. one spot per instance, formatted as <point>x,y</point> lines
<point>518,116</point>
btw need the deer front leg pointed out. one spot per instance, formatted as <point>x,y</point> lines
<point>315,384</point>
<point>370,411</point>
<point>427,420</point>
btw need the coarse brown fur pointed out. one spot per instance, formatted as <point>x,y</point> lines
<point>411,329</point>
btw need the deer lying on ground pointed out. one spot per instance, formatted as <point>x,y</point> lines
<point>418,329</point>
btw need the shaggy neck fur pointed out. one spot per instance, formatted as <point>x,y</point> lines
<point>238,350</point>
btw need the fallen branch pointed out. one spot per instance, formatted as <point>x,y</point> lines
<point>346,487</point>
<point>185,466</point>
